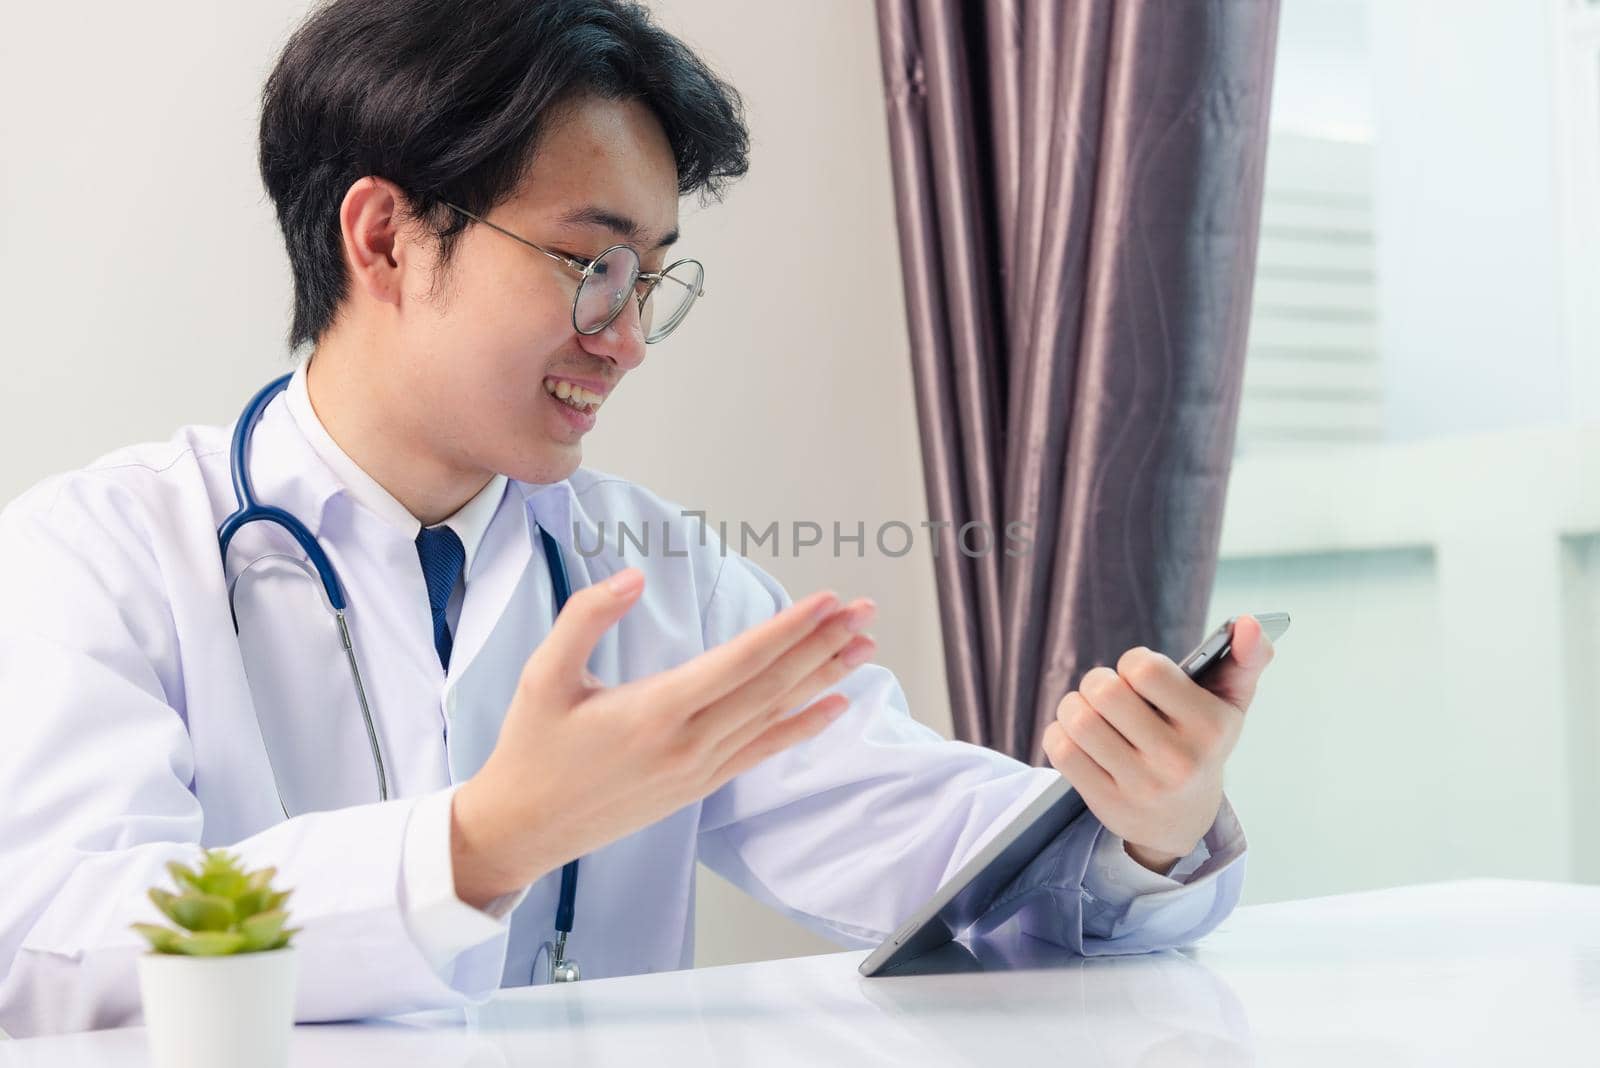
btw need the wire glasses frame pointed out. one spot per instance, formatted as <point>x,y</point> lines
<point>686,274</point>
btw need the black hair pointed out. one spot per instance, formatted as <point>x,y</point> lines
<point>447,99</point>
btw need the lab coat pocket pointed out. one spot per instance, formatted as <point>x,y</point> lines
<point>305,696</point>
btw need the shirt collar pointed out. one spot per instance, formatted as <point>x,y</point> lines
<point>470,522</point>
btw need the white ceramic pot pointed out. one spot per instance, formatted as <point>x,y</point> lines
<point>206,1011</point>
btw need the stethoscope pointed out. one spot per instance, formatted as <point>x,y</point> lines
<point>249,510</point>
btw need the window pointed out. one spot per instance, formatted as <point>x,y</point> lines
<point>1418,470</point>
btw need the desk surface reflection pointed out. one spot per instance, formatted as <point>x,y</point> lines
<point>1456,973</point>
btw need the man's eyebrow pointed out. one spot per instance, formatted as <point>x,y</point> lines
<point>617,223</point>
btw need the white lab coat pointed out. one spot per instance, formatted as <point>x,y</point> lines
<point>131,734</point>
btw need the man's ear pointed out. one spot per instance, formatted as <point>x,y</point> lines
<point>370,225</point>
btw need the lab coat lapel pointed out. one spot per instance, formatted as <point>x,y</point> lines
<point>502,557</point>
<point>508,610</point>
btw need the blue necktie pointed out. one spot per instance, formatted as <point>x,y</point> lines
<point>442,559</point>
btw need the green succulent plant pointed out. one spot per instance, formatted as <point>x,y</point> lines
<point>221,909</point>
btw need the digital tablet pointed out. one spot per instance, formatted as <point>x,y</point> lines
<point>969,892</point>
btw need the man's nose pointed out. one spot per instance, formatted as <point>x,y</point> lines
<point>622,342</point>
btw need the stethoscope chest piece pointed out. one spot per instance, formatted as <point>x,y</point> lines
<point>561,969</point>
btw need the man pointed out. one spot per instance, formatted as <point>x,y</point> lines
<point>454,179</point>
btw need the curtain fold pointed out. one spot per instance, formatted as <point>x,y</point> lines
<point>1078,192</point>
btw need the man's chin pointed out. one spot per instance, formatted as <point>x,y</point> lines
<point>553,462</point>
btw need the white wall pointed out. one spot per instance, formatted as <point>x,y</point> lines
<point>142,281</point>
<point>144,286</point>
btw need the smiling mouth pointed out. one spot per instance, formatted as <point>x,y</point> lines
<point>574,396</point>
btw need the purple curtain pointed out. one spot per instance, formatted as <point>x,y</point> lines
<point>1078,188</point>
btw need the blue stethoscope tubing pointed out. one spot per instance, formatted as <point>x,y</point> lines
<point>249,510</point>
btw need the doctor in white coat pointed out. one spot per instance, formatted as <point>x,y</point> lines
<point>448,175</point>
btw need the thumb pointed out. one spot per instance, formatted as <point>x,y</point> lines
<point>1234,679</point>
<point>562,658</point>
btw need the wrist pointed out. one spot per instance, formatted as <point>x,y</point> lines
<point>1156,860</point>
<point>486,863</point>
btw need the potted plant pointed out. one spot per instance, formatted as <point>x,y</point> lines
<point>219,988</point>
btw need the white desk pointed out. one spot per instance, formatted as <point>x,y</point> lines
<point>1455,973</point>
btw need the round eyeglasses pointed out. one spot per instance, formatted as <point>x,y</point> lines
<point>605,282</point>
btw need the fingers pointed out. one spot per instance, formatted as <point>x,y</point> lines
<point>1099,740</point>
<point>1087,777</point>
<point>562,658</point>
<point>1234,680</point>
<point>767,691</point>
<point>791,730</point>
<point>1163,684</point>
<point>1133,717</point>
<point>719,671</point>
<point>857,651</point>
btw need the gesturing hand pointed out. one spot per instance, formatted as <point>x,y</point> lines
<point>646,748</point>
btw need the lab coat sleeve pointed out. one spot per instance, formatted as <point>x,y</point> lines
<point>849,832</point>
<point>464,945</point>
<point>1109,903</point>
<point>97,771</point>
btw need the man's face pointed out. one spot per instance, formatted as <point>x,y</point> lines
<point>484,352</point>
